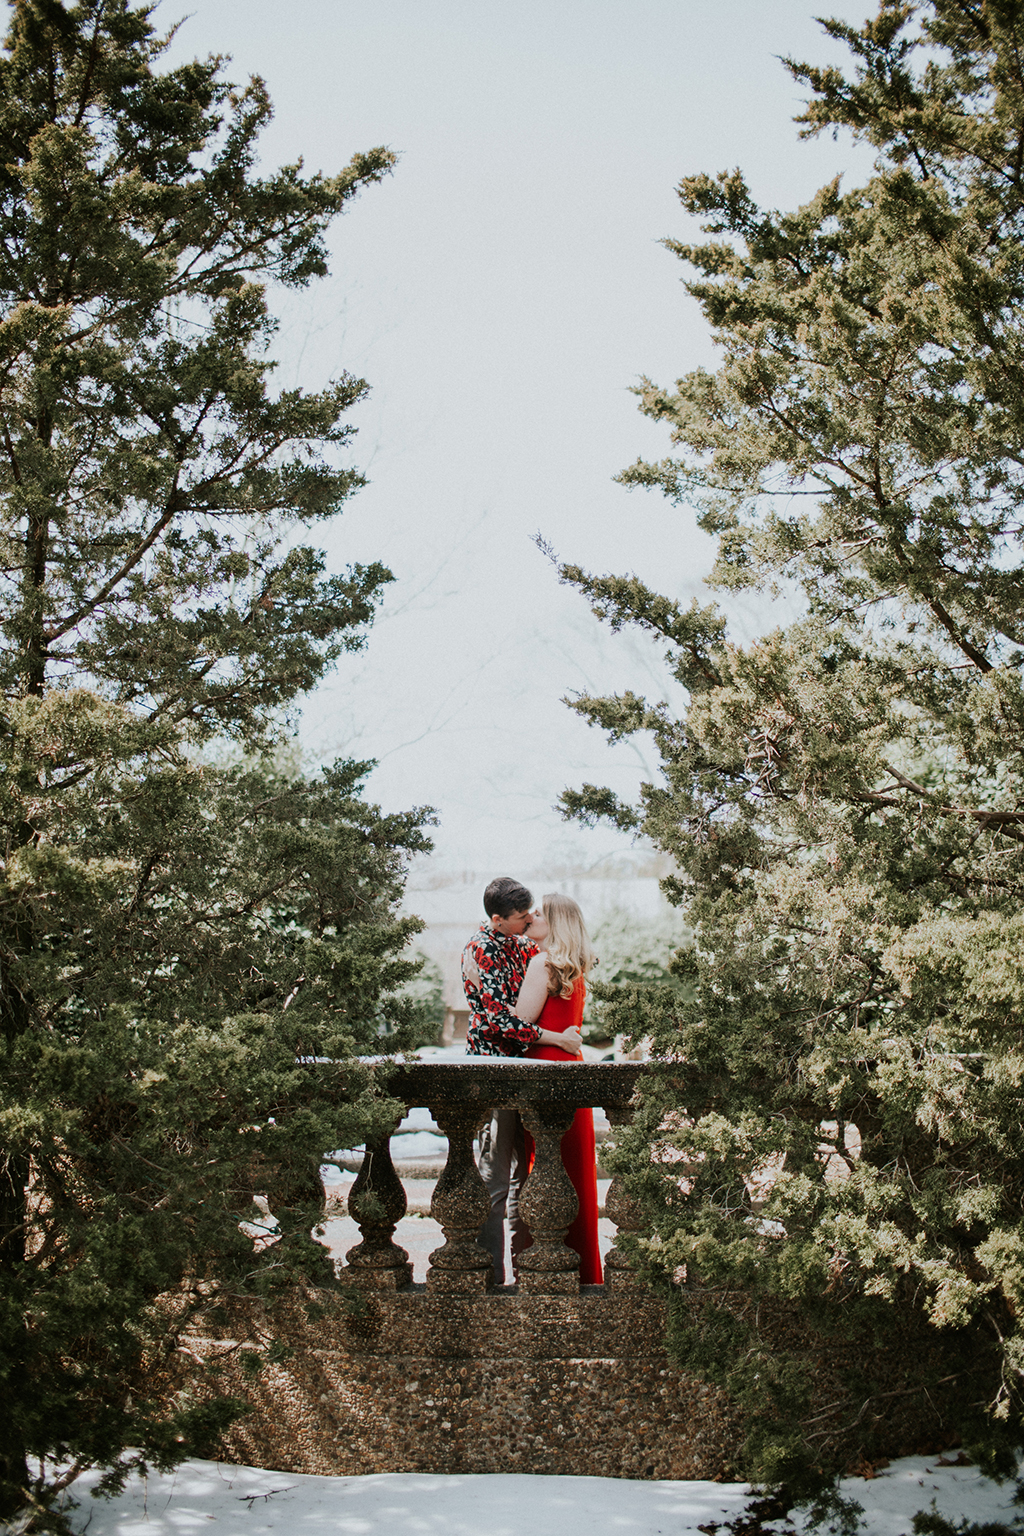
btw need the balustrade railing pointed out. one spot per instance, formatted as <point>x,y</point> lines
<point>461,1095</point>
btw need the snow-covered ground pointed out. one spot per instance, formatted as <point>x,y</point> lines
<point>242,1501</point>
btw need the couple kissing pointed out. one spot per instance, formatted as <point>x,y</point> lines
<point>524,976</point>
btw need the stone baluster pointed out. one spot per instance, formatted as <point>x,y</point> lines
<point>377,1201</point>
<point>626,1213</point>
<point>548,1203</point>
<point>460,1203</point>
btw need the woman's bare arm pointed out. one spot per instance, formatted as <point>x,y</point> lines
<point>533,993</point>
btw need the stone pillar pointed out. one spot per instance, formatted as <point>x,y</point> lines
<point>377,1201</point>
<point>626,1213</point>
<point>548,1203</point>
<point>460,1204</point>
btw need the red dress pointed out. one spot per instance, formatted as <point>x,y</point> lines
<point>578,1159</point>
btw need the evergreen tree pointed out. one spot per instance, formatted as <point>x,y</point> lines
<point>189,952</point>
<point>633,952</point>
<point>844,798</point>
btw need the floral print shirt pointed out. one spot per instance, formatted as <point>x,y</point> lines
<point>493,968</point>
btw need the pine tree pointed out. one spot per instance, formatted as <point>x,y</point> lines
<point>194,944</point>
<point>844,797</point>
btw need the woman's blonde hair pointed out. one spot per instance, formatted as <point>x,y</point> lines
<point>570,952</point>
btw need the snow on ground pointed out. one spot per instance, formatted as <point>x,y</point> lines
<point>243,1501</point>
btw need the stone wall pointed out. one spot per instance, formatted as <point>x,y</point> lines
<point>409,1382</point>
<point>381,1375</point>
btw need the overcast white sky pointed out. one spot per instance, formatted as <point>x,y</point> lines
<point>501,292</point>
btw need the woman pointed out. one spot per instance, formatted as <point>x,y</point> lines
<point>552,997</point>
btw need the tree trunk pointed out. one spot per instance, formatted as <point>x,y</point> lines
<point>14,1476</point>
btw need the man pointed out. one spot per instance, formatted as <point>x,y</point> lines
<point>493,966</point>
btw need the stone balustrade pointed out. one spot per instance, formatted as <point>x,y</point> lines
<point>555,1378</point>
<point>461,1095</point>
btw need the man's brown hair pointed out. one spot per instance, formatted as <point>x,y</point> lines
<point>505,896</point>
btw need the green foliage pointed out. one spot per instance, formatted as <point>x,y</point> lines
<point>635,970</point>
<point>839,1129</point>
<point>424,999</point>
<point>767,1513</point>
<point>191,954</point>
<point>633,948</point>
